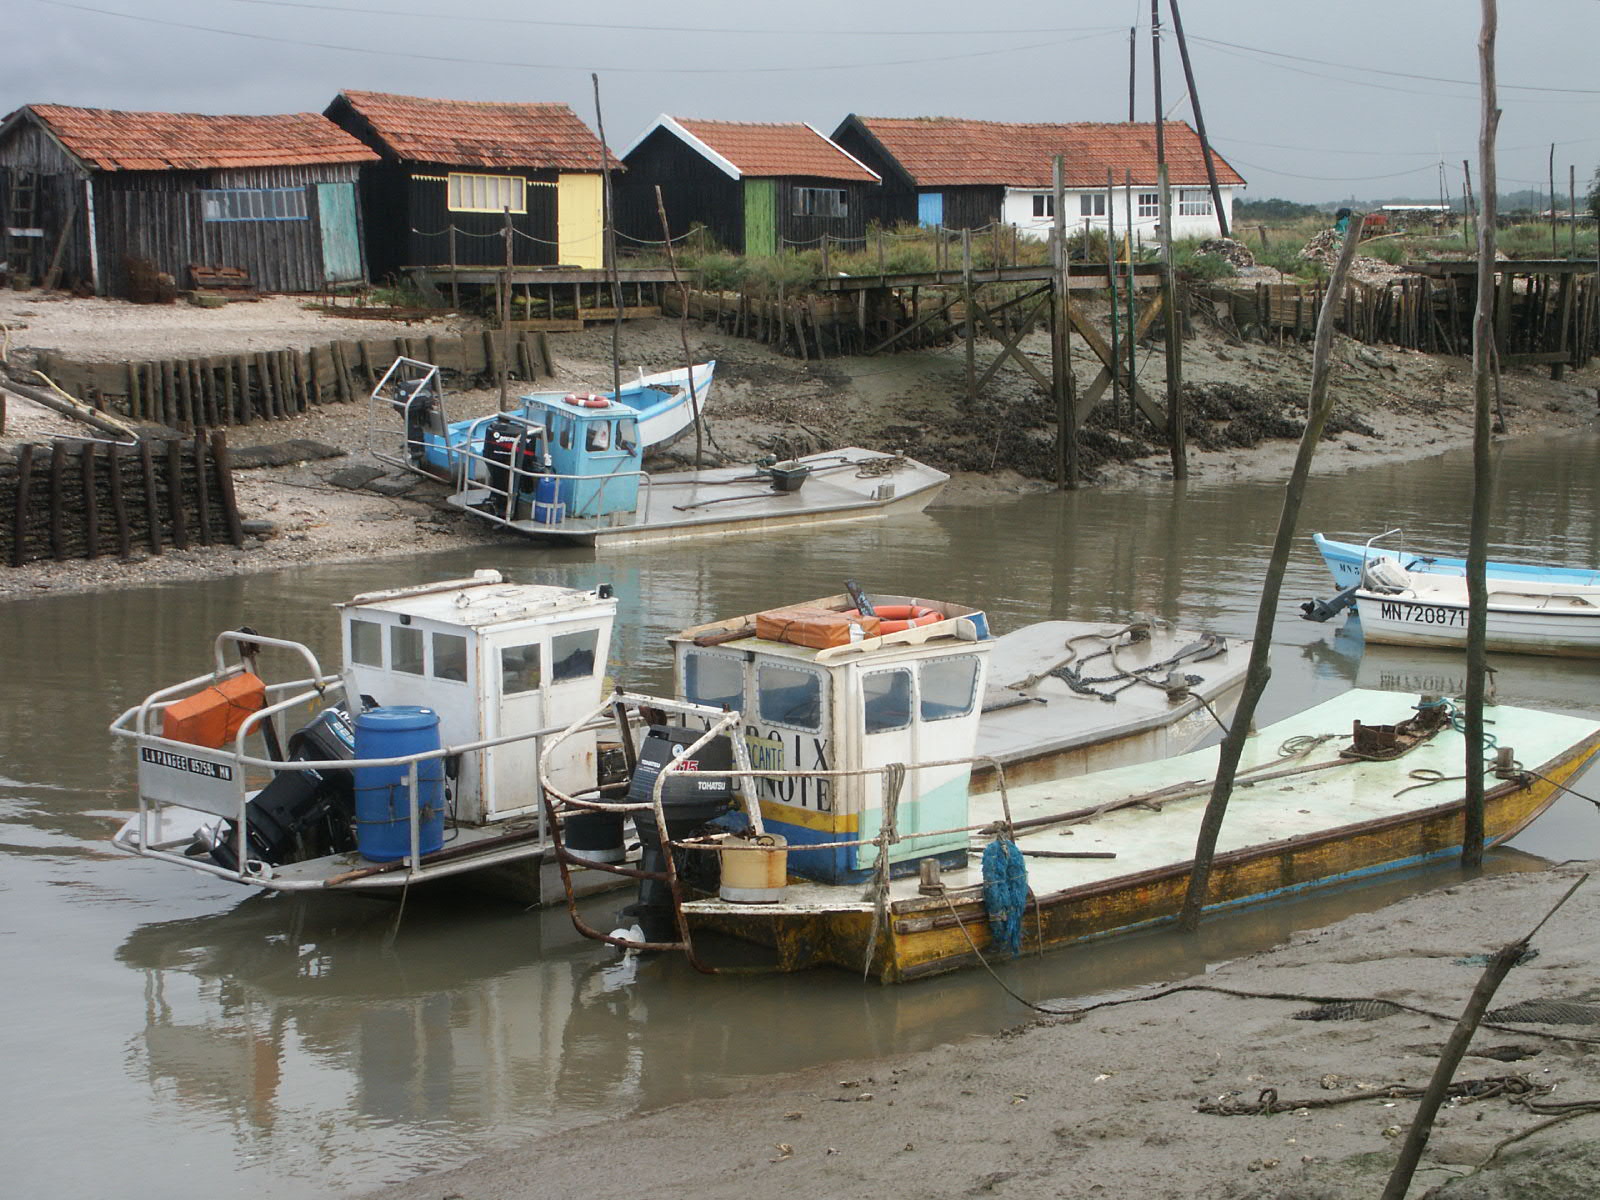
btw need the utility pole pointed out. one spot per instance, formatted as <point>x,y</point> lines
<point>1133,66</point>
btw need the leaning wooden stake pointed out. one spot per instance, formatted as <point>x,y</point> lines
<point>1482,466</point>
<point>1499,967</point>
<point>608,229</point>
<point>683,328</point>
<point>1259,671</point>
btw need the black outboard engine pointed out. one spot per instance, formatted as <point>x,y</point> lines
<point>301,814</point>
<point>419,400</point>
<point>689,802</point>
<point>500,442</point>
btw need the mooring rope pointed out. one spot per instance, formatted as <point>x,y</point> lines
<point>894,778</point>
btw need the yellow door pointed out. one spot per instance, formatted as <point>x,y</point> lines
<point>579,221</point>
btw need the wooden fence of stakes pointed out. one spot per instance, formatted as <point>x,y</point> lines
<point>225,390</point>
<point>88,499</point>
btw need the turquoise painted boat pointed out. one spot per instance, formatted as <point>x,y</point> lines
<point>1344,561</point>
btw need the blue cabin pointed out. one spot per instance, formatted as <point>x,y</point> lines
<point>592,446</point>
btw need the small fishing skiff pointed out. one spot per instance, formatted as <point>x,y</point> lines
<point>1525,615</point>
<point>662,405</point>
<point>893,879</point>
<point>1344,560</point>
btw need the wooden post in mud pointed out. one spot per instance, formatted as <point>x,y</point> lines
<point>1061,338</point>
<point>683,328</point>
<point>505,312</point>
<point>1259,671</point>
<point>968,318</point>
<point>1483,345</point>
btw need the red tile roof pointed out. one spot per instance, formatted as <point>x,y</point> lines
<point>951,152</point>
<point>154,141</point>
<point>774,150</point>
<point>478,133</point>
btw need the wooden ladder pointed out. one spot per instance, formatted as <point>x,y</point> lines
<point>23,237</point>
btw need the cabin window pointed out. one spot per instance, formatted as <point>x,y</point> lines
<point>597,436</point>
<point>253,204</point>
<point>566,433</point>
<point>821,202</point>
<point>948,688</point>
<point>366,643</point>
<point>572,654</point>
<point>886,697</point>
<point>1092,204</point>
<point>789,696</point>
<point>627,434</point>
<point>1044,204</point>
<point>486,193</point>
<point>714,680</point>
<point>450,657</point>
<point>1149,204</point>
<point>519,669</point>
<point>405,649</point>
<point>1194,204</point>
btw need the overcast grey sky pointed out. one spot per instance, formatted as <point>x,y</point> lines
<point>1309,101</point>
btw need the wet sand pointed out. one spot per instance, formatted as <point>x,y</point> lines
<point>1103,1101</point>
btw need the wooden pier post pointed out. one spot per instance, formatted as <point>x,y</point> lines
<point>968,320</point>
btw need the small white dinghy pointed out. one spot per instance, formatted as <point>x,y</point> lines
<point>1526,616</point>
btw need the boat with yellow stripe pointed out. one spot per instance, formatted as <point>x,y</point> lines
<point>871,840</point>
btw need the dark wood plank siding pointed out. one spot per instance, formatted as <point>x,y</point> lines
<point>972,207</point>
<point>801,232</point>
<point>424,193</point>
<point>695,193</point>
<point>895,201</point>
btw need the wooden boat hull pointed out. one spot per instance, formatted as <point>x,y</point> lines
<point>929,935</point>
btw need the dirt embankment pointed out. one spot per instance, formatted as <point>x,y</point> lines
<point>1245,402</point>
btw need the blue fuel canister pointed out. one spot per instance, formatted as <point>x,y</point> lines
<point>382,794</point>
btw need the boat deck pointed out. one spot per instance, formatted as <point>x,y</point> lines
<point>1316,799</point>
<point>844,485</point>
<point>1048,717</point>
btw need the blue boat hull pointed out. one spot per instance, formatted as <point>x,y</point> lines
<point>1344,562</point>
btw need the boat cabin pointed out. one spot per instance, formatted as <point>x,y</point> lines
<point>495,660</point>
<point>909,696</point>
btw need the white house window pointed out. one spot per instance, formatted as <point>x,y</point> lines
<point>486,193</point>
<point>1092,204</point>
<point>1194,204</point>
<point>253,204</point>
<point>1149,204</point>
<point>1044,204</point>
<point>821,202</point>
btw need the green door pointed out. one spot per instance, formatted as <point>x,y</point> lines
<point>760,216</point>
<point>341,246</point>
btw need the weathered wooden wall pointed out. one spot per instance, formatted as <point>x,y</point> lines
<point>223,390</point>
<point>78,499</point>
<point>694,191</point>
<point>408,220</point>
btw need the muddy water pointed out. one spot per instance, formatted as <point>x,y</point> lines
<point>167,1033</point>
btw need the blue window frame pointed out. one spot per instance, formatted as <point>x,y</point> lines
<point>254,204</point>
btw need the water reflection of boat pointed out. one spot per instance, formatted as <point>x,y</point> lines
<point>863,753</point>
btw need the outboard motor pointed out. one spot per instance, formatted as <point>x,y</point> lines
<point>500,441</point>
<point>418,399</point>
<point>1385,576</point>
<point>688,803</point>
<point>301,814</point>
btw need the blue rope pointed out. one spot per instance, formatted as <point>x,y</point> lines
<point>1458,720</point>
<point>1005,893</point>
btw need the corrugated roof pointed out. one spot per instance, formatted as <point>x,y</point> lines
<point>953,151</point>
<point>778,149</point>
<point>109,140</point>
<point>479,133</point>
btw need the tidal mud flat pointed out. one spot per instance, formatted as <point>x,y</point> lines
<point>1392,405</point>
<point>1111,1097</point>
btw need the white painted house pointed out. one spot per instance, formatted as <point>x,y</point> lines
<point>965,174</point>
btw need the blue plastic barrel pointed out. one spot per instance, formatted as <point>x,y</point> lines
<point>546,511</point>
<point>383,797</point>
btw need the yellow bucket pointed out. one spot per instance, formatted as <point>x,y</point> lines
<point>754,869</point>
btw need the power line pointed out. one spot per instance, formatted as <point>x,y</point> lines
<point>612,27</point>
<point>655,68</point>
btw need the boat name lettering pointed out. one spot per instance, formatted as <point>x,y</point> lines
<point>1422,614</point>
<point>182,762</point>
<point>779,750</point>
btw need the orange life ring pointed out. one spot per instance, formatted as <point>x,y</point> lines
<point>589,401</point>
<point>895,618</point>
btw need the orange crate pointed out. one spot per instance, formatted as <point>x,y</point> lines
<point>817,628</point>
<point>212,718</point>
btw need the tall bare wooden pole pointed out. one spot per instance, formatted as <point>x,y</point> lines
<point>1133,66</point>
<point>1199,119</point>
<point>683,328</point>
<point>609,233</point>
<point>507,232</point>
<point>1169,292</point>
<point>1061,337</point>
<point>1259,671</point>
<point>1482,467</point>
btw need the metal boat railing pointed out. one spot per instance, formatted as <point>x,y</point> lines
<point>522,483</point>
<point>136,723</point>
